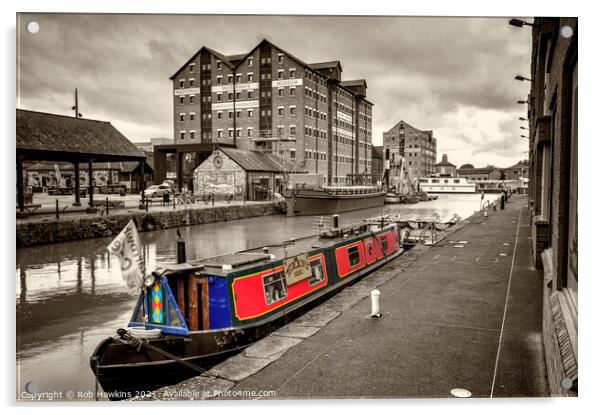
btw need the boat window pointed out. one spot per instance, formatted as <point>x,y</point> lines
<point>445,181</point>
<point>354,256</point>
<point>384,243</point>
<point>275,287</point>
<point>435,181</point>
<point>317,272</point>
<point>456,180</point>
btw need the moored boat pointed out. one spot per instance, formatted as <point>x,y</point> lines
<point>188,317</point>
<point>446,185</point>
<point>327,200</point>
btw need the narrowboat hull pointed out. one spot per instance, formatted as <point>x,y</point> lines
<point>124,371</point>
<point>316,202</point>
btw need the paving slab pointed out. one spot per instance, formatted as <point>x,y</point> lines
<point>296,330</point>
<point>270,347</point>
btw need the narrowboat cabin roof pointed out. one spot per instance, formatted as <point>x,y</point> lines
<point>223,265</point>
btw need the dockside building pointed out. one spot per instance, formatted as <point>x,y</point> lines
<point>553,169</point>
<point>417,146</point>
<point>269,100</point>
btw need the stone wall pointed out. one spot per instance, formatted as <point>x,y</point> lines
<point>69,229</point>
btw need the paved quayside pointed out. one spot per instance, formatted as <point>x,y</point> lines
<point>455,315</point>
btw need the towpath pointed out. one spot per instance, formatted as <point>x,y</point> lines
<point>465,313</point>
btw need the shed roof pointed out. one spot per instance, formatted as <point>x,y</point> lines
<point>257,161</point>
<point>55,137</point>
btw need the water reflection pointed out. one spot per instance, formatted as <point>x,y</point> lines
<point>71,295</point>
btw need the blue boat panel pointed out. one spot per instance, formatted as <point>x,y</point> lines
<point>219,304</point>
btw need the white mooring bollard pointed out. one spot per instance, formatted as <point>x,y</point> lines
<point>375,294</point>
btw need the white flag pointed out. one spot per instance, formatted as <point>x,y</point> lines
<point>127,247</point>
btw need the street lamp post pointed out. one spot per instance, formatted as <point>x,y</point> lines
<point>522,78</point>
<point>519,23</point>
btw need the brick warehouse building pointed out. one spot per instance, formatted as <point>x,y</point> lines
<point>269,100</point>
<point>417,146</point>
<point>553,189</point>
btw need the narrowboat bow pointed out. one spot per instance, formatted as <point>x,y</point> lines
<point>189,317</point>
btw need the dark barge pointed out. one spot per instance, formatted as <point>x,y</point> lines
<point>203,313</point>
<point>328,200</point>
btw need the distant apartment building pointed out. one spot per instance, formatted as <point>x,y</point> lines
<point>478,174</point>
<point>444,168</point>
<point>269,100</point>
<point>418,147</point>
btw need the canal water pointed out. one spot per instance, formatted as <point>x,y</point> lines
<point>71,295</point>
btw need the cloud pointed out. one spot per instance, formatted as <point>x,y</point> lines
<point>450,75</point>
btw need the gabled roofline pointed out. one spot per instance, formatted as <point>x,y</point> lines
<point>218,55</point>
<point>224,59</point>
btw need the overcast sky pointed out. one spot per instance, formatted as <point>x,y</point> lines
<point>454,76</point>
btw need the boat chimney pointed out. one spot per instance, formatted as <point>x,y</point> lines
<point>266,250</point>
<point>181,251</point>
<point>335,221</point>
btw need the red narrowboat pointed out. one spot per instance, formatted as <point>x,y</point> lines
<point>189,317</point>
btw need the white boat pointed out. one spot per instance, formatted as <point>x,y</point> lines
<point>446,185</point>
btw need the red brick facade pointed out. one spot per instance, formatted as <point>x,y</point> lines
<point>553,189</point>
<point>270,100</point>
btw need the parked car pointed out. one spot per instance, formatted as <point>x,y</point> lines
<point>157,190</point>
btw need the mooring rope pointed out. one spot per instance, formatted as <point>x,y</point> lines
<point>127,338</point>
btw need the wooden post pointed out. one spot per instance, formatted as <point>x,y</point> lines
<point>90,183</point>
<point>57,208</point>
<point>142,181</point>
<point>20,190</point>
<point>181,251</point>
<point>77,201</point>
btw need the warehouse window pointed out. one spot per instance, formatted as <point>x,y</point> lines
<point>191,99</point>
<point>181,99</point>
<point>220,133</point>
<point>250,61</point>
<point>218,64</point>
<point>182,83</point>
<point>249,113</point>
<point>293,90</point>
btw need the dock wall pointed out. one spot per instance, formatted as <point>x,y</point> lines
<point>86,227</point>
